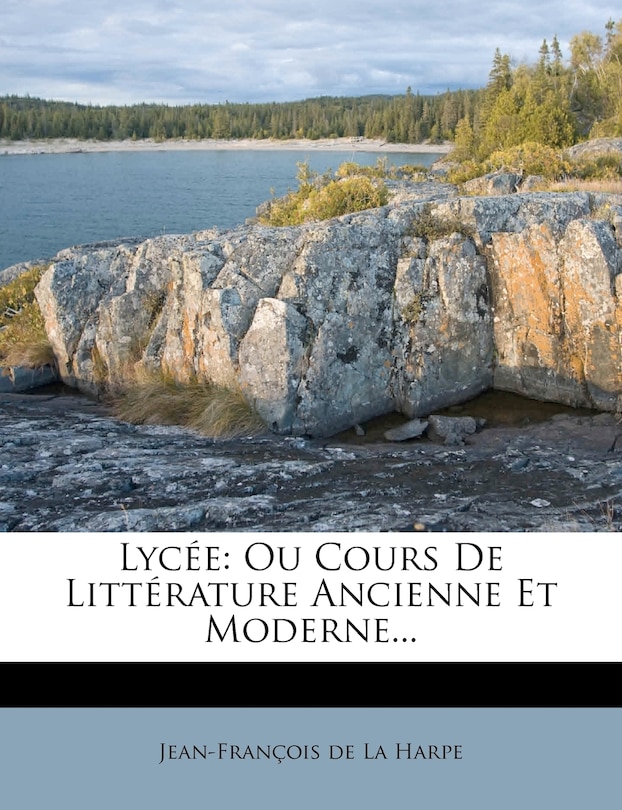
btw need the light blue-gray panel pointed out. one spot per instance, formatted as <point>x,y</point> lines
<point>78,758</point>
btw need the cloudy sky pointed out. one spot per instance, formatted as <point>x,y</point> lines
<point>210,51</point>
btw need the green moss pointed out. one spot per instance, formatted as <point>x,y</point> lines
<point>412,312</point>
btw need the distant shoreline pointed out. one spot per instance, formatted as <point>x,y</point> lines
<point>59,146</point>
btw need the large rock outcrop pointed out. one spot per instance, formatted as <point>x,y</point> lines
<point>329,324</point>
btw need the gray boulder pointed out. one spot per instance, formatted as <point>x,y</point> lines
<point>495,184</point>
<point>326,325</point>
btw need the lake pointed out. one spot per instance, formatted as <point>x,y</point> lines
<point>49,202</point>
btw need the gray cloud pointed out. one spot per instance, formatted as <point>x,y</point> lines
<point>205,51</point>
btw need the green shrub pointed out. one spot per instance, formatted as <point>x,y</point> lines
<point>529,158</point>
<point>532,158</point>
<point>380,170</point>
<point>607,166</point>
<point>344,197</point>
<point>325,197</point>
<point>348,169</point>
<point>467,170</point>
<point>286,210</point>
<point>412,171</point>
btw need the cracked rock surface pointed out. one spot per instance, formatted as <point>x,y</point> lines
<point>67,465</point>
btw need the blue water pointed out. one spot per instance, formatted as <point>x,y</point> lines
<point>49,202</point>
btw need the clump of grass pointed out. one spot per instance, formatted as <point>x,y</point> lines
<point>100,369</point>
<point>156,398</point>
<point>223,412</point>
<point>609,516</point>
<point>607,519</point>
<point>23,339</point>
<point>412,311</point>
<point>321,197</point>
<point>427,226</point>
<point>29,352</point>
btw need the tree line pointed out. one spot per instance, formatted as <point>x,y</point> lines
<point>556,101</point>
<point>408,118</point>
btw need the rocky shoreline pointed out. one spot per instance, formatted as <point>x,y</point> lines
<point>69,466</point>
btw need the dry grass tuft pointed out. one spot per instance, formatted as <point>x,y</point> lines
<point>34,354</point>
<point>155,398</point>
<point>223,412</point>
<point>574,184</point>
<point>609,519</point>
<point>23,339</point>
